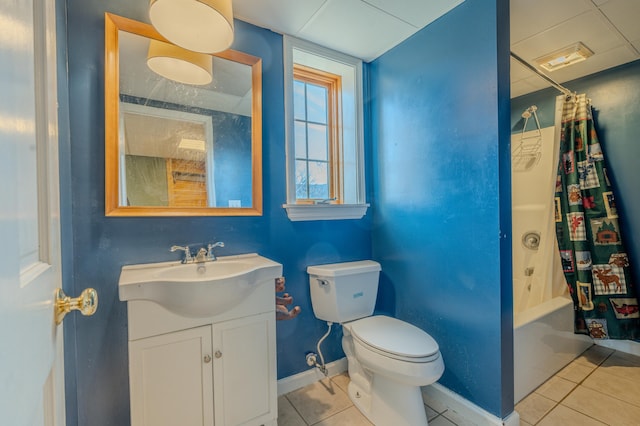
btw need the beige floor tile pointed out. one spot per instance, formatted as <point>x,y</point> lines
<point>556,388</point>
<point>594,356</point>
<point>564,416</point>
<point>534,407</point>
<point>624,358</point>
<point>576,372</point>
<point>602,407</point>
<point>432,403</point>
<point>523,423</point>
<point>431,413</point>
<point>622,365</point>
<point>622,388</point>
<point>287,415</point>
<point>458,419</point>
<point>441,420</point>
<point>342,380</point>
<point>349,417</point>
<point>319,401</point>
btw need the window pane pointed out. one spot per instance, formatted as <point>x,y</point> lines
<point>298,100</point>
<point>318,180</point>
<point>316,104</point>
<point>318,142</point>
<point>301,139</point>
<point>301,179</point>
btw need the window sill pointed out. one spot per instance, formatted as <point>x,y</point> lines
<point>307,212</point>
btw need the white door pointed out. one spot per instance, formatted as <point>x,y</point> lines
<point>31,376</point>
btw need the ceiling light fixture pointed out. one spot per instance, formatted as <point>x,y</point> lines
<point>204,26</point>
<point>564,57</point>
<point>178,64</point>
<point>193,144</point>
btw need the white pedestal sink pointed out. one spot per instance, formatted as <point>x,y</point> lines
<point>197,289</point>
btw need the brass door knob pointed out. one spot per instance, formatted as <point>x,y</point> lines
<point>86,303</point>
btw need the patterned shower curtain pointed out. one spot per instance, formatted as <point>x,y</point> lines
<point>595,263</point>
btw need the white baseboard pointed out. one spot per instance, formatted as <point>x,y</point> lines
<point>300,380</point>
<point>461,411</point>
<point>628,346</point>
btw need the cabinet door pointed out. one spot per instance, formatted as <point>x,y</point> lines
<point>171,379</point>
<point>245,371</point>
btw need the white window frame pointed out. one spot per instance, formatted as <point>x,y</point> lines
<point>354,206</point>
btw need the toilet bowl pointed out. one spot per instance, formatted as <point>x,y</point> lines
<point>388,359</point>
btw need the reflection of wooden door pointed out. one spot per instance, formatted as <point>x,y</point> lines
<point>186,183</point>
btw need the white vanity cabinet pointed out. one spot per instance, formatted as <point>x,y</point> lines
<point>212,371</point>
<point>171,379</point>
<point>219,374</point>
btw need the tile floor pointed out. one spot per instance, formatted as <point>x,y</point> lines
<point>601,387</point>
<point>326,403</point>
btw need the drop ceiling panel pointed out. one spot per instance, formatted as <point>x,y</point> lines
<point>588,28</point>
<point>624,14</point>
<point>356,28</point>
<point>418,13</point>
<point>518,71</point>
<point>537,83</point>
<point>368,28</point>
<point>283,16</point>
<point>521,87</point>
<point>529,17</point>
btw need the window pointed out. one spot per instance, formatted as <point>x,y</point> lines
<point>316,114</point>
<point>323,106</point>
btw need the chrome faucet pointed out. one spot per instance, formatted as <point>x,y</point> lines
<point>202,255</point>
<point>187,253</point>
<point>210,254</point>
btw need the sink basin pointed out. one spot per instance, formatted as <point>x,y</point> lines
<point>198,289</point>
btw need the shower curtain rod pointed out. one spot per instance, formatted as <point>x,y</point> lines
<point>542,75</point>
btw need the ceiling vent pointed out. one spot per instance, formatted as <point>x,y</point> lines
<point>564,57</point>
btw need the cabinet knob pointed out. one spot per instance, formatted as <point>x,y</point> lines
<point>207,359</point>
<point>218,354</point>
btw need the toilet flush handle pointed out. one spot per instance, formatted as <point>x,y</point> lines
<point>322,282</point>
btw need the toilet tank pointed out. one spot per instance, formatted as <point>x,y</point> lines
<point>342,292</point>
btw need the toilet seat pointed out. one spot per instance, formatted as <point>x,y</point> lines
<point>394,339</point>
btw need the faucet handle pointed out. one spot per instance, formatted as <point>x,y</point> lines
<point>186,250</point>
<point>210,254</point>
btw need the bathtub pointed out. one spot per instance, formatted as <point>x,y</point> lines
<point>543,338</point>
<point>543,343</point>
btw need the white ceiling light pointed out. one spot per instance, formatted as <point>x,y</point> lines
<point>193,144</point>
<point>564,57</point>
<point>178,64</point>
<point>204,26</point>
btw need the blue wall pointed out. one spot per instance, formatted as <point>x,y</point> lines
<point>616,108</point>
<point>96,247</point>
<point>441,224</point>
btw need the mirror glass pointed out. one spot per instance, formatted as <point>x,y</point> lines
<point>178,149</point>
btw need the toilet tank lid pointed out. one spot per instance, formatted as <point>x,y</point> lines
<point>344,268</point>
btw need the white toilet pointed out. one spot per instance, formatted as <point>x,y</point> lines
<point>388,359</point>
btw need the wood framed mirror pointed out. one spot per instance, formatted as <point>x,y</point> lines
<point>175,149</point>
